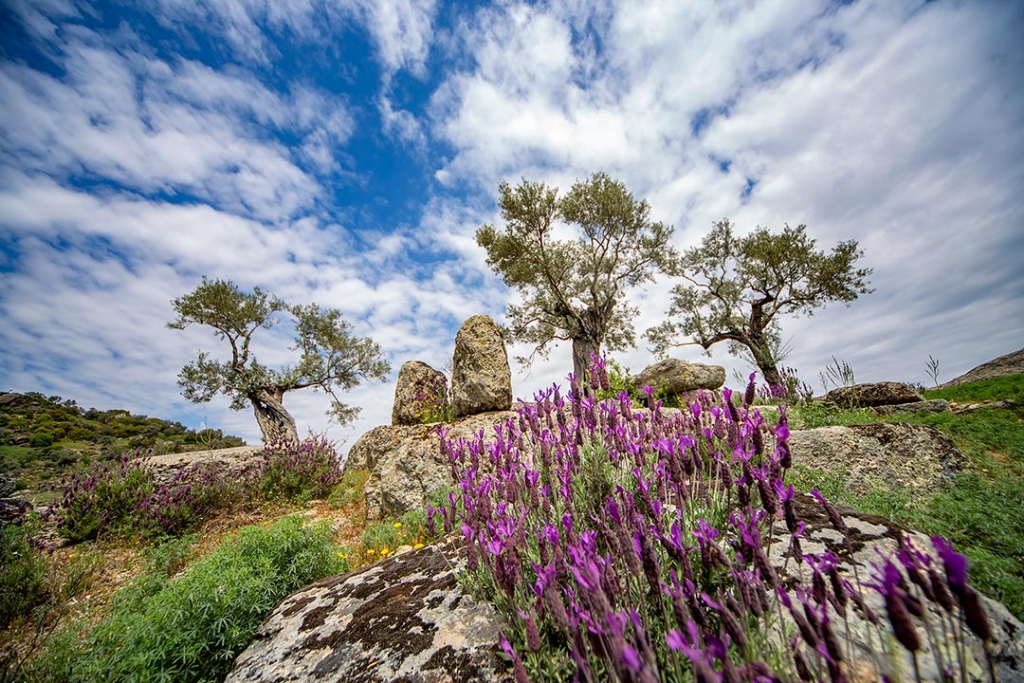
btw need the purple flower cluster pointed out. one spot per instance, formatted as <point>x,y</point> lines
<point>123,497</point>
<point>634,541</point>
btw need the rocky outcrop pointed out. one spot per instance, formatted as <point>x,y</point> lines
<point>867,539</point>
<point>481,377</point>
<point>404,619</point>
<point>230,460</point>
<point>894,455</point>
<point>870,395</point>
<point>935,405</point>
<point>674,376</point>
<point>420,392</point>
<point>1010,364</point>
<point>406,464</point>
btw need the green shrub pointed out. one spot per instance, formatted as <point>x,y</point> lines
<point>22,574</point>
<point>42,439</point>
<point>304,471</point>
<point>191,627</point>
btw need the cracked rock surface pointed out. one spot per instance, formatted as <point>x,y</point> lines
<point>405,619</point>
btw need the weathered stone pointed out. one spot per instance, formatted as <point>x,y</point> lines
<point>870,395</point>
<point>11,399</point>
<point>421,390</point>
<point>481,377</point>
<point>935,405</point>
<point>894,455</point>
<point>229,460</point>
<point>7,486</point>
<point>858,552</point>
<point>406,464</point>
<point>1010,364</point>
<point>403,619</point>
<point>675,376</point>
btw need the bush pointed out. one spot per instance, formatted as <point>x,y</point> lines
<point>22,574</point>
<point>191,627</point>
<point>42,439</point>
<point>628,546</point>
<point>304,471</point>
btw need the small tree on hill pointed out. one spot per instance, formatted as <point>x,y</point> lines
<point>737,287</point>
<point>330,357</point>
<point>572,290</point>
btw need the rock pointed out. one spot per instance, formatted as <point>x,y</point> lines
<point>986,405</point>
<point>935,405</point>
<point>11,398</point>
<point>870,395</point>
<point>406,464</point>
<point>406,618</point>
<point>1010,364</point>
<point>420,391</point>
<point>232,460</point>
<point>858,552</point>
<point>7,486</point>
<point>894,455</point>
<point>674,376</point>
<point>481,377</point>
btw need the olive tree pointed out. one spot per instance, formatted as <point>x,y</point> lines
<point>737,286</point>
<point>330,357</point>
<point>573,289</point>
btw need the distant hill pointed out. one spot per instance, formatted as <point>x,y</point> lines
<point>1010,364</point>
<point>42,436</point>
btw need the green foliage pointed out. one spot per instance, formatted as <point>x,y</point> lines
<point>41,439</point>
<point>979,509</point>
<point>330,359</point>
<point>22,574</point>
<point>191,627</point>
<point>1010,387</point>
<point>350,490</point>
<point>737,286</point>
<point>573,289</point>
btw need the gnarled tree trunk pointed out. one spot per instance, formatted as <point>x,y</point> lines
<point>275,422</point>
<point>582,349</point>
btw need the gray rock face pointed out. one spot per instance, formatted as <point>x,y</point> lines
<point>7,486</point>
<point>866,536</point>
<point>406,463</point>
<point>677,376</point>
<point>420,390</point>
<point>896,455</point>
<point>870,395</point>
<point>935,405</point>
<point>403,619</point>
<point>481,377</point>
<point>164,467</point>
<point>1010,364</point>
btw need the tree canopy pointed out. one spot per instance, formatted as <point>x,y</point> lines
<point>573,289</point>
<point>738,285</point>
<point>330,357</point>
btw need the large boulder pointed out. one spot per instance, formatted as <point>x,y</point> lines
<point>935,405</point>
<point>675,376</point>
<point>404,619</point>
<point>894,455</point>
<point>870,395</point>
<point>421,390</point>
<point>228,460</point>
<point>481,377</point>
<point>868,537</point>
<point>406,464</point>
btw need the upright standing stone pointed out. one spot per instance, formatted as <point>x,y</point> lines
<point>420,393</point>
<point>481,377</point>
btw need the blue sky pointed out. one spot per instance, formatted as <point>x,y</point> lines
<point>344,153</point>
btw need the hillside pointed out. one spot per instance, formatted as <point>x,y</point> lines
<point>43,437</point>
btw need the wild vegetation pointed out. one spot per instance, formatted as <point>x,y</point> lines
<point>43,437</point>
<point>641,534</point>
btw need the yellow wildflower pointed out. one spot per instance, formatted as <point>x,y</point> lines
<point>398,525</point>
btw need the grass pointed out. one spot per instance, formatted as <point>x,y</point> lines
<point>979,510</point>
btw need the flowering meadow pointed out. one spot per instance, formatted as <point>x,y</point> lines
<point>628,544</point>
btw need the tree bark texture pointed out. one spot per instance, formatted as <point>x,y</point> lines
<point>275,422</point>
<point>582,349</point>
